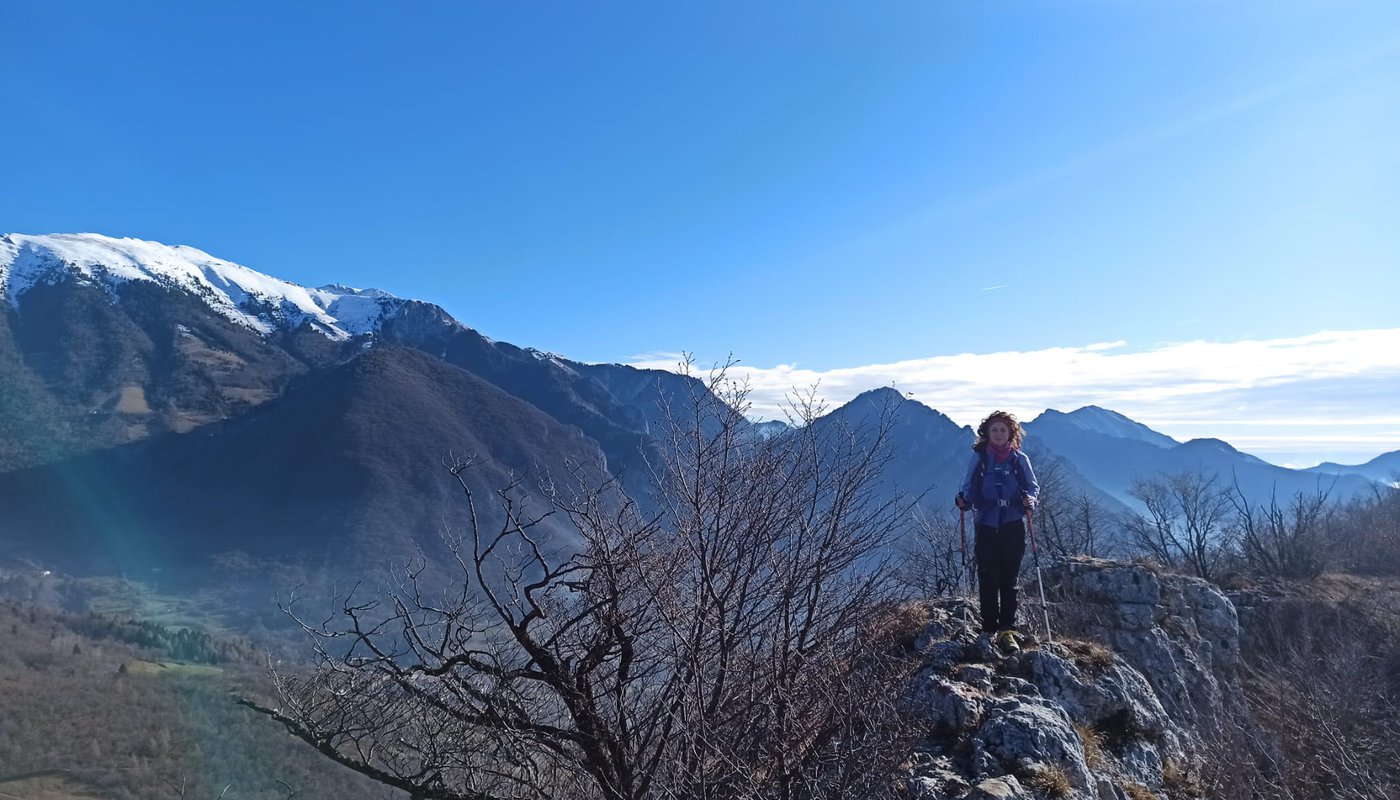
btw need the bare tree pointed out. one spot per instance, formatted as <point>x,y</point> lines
<point>936,558</point>
<point>1367,531</point>
<point>1090,523</point>
<point>1290,541</point>
<point>1185,524</point>
<point>727,646</point>
<point>1067,522</point>
<point>1317,717</point>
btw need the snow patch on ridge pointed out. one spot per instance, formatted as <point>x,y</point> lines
<point>240,294</point>
<point>1111,423</point>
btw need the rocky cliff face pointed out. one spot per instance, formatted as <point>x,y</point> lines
<point>1114,709</point>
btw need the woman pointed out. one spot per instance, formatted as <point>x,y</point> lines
<point>1001,486</point>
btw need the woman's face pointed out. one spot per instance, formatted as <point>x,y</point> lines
<point>999,433</point>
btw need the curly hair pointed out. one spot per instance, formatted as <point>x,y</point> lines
<point>1017,433</point>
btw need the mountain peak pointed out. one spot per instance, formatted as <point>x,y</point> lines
<point>1109,423</point>
<point>242,295</point>
<point>888,396</point>
<point>881,394</point>
<point>1211,443</point>
<point>342,289</point>
<point>910,411</point>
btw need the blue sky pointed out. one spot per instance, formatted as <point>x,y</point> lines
<point>830,192</point>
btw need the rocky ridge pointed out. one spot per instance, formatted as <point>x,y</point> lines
<point>1113,709</point>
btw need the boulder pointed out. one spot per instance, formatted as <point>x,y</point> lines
<point>1022,736</point>
<point>1180,632</point>
<point>1003,788</point>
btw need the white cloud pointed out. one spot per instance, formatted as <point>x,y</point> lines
<point>660,359</point>
<point>1280,396</point>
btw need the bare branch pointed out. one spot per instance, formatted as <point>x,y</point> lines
<point>717,648</point>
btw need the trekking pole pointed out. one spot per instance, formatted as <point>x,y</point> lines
<point>967,565</point>
<point>1039,580</point>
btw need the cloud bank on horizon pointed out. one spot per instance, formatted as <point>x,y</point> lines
<point>1327,396</point>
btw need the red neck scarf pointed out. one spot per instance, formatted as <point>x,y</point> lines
<point>999,453</point>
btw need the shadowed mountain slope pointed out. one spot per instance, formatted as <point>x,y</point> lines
<point>927,450</point>
<point>92,371</point>
<point>344,470</point>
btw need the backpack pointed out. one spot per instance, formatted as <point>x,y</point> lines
<point>979,473</point>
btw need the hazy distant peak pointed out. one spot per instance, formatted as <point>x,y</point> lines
<point>235,292</point>
<point>1384,468</point>
<point>1212,449</point>
<point>770,428</point>
<point>1210,445</point>
<point>1110,423</point>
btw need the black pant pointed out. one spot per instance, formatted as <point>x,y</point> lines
<point>999,553</point>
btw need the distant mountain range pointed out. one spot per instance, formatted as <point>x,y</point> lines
<point>162,407</point>
<point>1112,451</point>
<point>1384,467</point>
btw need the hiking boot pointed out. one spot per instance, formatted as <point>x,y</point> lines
<point>1006,640</point>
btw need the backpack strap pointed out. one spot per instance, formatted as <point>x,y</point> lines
<point>979,473</point>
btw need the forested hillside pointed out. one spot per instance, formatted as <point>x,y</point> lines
<point>94,706</point>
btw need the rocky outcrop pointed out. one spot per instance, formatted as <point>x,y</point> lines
<point>1111,710</point>
<point>1181,633</point>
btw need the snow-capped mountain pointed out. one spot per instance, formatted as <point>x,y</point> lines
<point>1111,423</point>
<point>207,407</point>
<point>235,292</point>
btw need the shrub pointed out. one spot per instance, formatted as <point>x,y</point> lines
<point>1178,782</point>
<point>1093,745</point>
<point>1090,656</point>
<point>898,626</point>
<point>1050,780</point>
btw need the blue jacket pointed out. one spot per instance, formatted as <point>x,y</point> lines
<point>1000,483</point>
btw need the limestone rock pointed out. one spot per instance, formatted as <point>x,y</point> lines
<point>1117,691</point>
<point>1179,632</point>
<point>1003,788</point>
<point>1022,736</point>
<point>1156,658</point>
<point>936,779</point>
<point>950,705</point>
